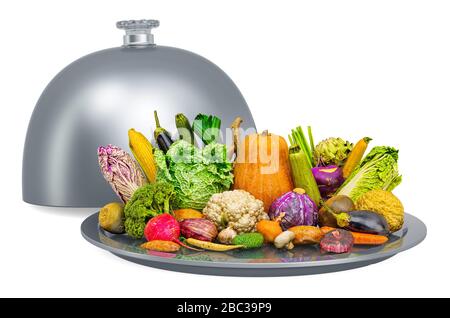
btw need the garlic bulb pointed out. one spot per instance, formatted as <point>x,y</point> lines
<point>226,235</point>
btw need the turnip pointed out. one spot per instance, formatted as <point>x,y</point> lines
<point>328,179</point>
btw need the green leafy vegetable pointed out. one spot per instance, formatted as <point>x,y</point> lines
<point>207,128</point>
<point>196,174</point>
<point>378,170</point>
<point>147,201</point>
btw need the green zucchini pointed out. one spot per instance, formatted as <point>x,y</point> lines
<point>302,174</point>
<point>184,128</point>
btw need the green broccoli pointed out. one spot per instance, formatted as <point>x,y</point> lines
<point>249,240</point>
<point>147,201</point>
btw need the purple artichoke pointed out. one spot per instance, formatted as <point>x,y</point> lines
<point>120,170</point>
<point>298,209</point>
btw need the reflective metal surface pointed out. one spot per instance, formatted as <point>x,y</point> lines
<point>267,261</point>
<point>96,99</point>
<point>137,32</point>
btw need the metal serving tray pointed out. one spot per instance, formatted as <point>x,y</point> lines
<point>266,261</point>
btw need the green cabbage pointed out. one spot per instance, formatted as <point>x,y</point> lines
<point>195,173</point>
<point>378,170</point>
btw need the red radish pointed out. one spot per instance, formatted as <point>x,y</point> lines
<point>164,227</point>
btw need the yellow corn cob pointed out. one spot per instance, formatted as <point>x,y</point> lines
<point>143,152</point>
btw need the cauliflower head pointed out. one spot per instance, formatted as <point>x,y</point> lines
<point>236,209</point>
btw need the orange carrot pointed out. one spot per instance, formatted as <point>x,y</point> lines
<point>361,238</point>
<point>355,156</point>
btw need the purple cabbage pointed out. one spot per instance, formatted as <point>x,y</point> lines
<point>120,170</point>
<point>328,179</point>
<point>299,209</point>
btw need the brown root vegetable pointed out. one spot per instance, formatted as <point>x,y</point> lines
<point>235,128</point>
<point>111,218</point>
<point>338,203</point>
<point>305,234</point>
<point>161,246</point>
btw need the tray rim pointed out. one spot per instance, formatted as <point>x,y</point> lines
<point>413,224</point>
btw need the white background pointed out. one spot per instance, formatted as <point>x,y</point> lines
<point>348,68</point>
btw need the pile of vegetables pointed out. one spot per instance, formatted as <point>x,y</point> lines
<point>184,191</point>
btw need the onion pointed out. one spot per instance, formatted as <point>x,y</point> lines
<point>200,229</point>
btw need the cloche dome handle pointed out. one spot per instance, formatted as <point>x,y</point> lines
<point>137,32</point>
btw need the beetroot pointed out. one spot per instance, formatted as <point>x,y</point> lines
<point>164,227</point>
<point>337,241</point>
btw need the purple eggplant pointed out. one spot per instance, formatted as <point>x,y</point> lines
<point>360,221</point>
<point>366,222</point>
<point>328,179</point>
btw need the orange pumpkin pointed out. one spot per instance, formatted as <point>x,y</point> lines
<point>262,167</point>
